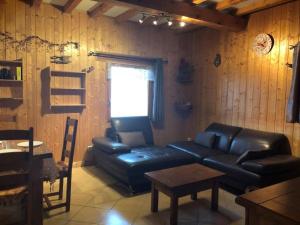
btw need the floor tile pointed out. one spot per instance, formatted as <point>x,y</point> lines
<point>98,199</point>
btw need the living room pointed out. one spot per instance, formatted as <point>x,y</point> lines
<point>149,112</point>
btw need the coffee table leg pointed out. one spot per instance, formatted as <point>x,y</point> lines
<point>194,196</point>
<point>154,199</point>
<point>215,196</point>
<point>174,210</point>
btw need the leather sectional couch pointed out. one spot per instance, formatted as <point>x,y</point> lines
<point>250,158</point>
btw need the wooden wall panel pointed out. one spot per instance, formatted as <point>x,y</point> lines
<point>99,33</point>
<point>246,90</point>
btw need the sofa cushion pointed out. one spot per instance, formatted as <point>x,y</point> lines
<point>227,164</point>
<point>205,139</point>
<point>224,135</point>
<point>129,124</point>
<point>272,165</point>
<point>132,139</point>
<point>194,149</point>
<point>108,146</point>
<point>151,158</point>
<point>259,140</point>
<point>253,154</point>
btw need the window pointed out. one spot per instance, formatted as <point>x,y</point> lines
<point>129,92</point>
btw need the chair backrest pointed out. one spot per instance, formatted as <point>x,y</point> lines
<point>69,142</point>
<point>16,167</point>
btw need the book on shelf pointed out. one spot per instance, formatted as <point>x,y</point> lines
<point>19,73</point>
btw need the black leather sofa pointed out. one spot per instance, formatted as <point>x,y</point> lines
<point>127,164</point>
<point>274,162</point>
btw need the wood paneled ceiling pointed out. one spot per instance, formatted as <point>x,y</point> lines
<point>217,14</point>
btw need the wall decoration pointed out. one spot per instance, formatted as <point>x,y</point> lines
<point>88,69</point>
<point>183,108</point>
<point>23,44</point>
<point>185,73</point>
<point>263,43</point>
<point>60,59</point>
<point>217,61</point>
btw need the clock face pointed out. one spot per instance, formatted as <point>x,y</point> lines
<point>263,44</point>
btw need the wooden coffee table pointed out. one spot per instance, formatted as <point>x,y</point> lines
<point>181,181</point>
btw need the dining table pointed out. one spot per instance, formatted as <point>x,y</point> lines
<point>44,169</point>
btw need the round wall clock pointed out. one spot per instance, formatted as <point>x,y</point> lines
<point>263,43</point>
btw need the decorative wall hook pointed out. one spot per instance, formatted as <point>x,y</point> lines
<point>289,65</point>
<point>292,47</point>
<point>88,69</point>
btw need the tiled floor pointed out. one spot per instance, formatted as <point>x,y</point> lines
<point>95,200</point>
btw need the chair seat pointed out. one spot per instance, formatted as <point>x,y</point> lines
<point>12,195</point>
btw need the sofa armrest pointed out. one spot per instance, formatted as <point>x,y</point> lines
<point>109,146</point>
<point>272,165</point>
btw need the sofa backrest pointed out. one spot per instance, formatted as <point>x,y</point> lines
<point>130,124</point>
<point>249,139</point>
<point>224,133</point>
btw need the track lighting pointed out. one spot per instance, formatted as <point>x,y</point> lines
<point>182,24</point>
<point>170,22</point>
<point>142,19</point>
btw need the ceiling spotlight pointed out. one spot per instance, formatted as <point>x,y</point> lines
<point>182,24</point>
<point>155,22</point>
<point>142,19</point>
<point>170,22</point>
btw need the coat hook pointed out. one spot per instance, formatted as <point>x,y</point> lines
<point>289,65</point>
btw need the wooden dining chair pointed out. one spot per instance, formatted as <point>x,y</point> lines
<point>64,166</point>
<point>16,174</point>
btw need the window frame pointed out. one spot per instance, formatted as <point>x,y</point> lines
<point>139,65</point>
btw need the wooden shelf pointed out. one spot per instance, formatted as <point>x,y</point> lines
<point>67,97</point>
<point>58,73</point>
<point>67,91</point>
<point>6,82</point>
<point>68,106</point>
<point>10,63</point>
<point>11,99</point>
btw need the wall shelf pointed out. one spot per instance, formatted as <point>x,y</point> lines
<point>66,90</point>
<point>12,86</point>
<point>68,106</point>
<point>11,99</point>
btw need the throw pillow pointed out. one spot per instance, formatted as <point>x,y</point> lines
<point>133,139</point>
<point>205,139</point>
<point>253,154</point>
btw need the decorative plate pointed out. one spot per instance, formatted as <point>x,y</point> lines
<point>263,43</point>
<point>25,144</point>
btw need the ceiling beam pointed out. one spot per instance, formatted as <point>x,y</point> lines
<point>100,9</point>
<point>71,5</point>
<point>36,3</point>
<point>127,15</point>
<point>225,4</point>
<point>197,2</point>
<point>195,15</point>
<point>260,5</point>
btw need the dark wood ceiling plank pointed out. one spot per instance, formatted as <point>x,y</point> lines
<point>36,3</point>
<point>225,4</point>
<point>100,9</point>
<point>70,5</point>
<point>195,15</point>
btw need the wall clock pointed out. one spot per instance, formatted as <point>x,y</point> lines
<point>263,43</point>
